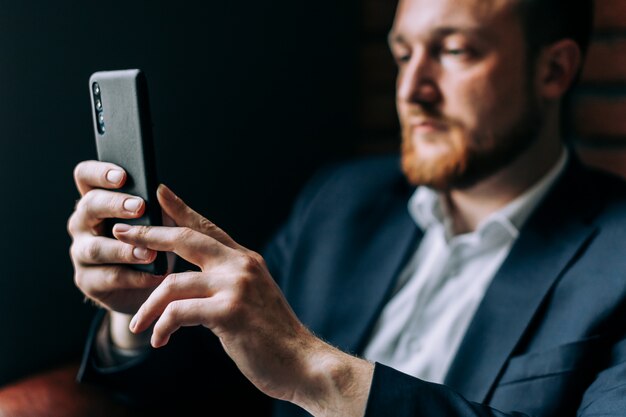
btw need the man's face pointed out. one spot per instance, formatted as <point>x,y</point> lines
<point>464,94</point>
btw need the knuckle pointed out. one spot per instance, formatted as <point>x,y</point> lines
<point>82,281</point>
<point>92,251</point>
<point>125,252</point>
<point>186,233</point>
<point>79,170</point>
<point>72,227</point>
<point>173,310</point>
<point>143,280</point>
<point>113,278</point>
<point>88,203</point>
<point>171,282</point>
<point>99,203</point>
<point>258,259</point>
<point>79,280</point>
<point>205,225</point>
<point>252,262</point>
<point>83,201</point>
<point>140,232</point>
<point>112,203</point>
<point>74,252</point>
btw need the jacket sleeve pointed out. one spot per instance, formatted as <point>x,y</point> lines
<point>405,396</point>
<point>189,373</point>
<point>401,395</point>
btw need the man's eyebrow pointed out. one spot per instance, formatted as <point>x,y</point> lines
<point>476,31</point>
<point>464,30</point>
<point>393,38</point>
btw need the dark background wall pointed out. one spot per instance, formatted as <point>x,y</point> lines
<point>248,98</point>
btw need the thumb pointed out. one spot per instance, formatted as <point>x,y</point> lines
<point>176,212</point>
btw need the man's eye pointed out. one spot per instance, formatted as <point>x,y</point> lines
<point>401,59</point>
<point>455,51</point>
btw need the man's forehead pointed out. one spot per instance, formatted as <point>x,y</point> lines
<point>476,7</point>
<point>465,15</point>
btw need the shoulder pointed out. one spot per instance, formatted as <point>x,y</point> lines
<point>606,190</point>
<point>340,199</point>
<point>585,192</point>
<point>345,188</point>
<point>358,175</point>
<point>364,169</point>
<point>355,184</point>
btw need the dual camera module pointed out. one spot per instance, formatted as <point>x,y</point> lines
<point>97,105</point>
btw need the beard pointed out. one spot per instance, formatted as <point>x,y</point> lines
<point>464,158</point>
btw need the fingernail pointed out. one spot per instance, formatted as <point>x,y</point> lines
<point>133,324</point>
<point>167,193</point>
<point>132,204</point>
<point>121,228</point>
<point>141,253</point>
<point>114,176</point>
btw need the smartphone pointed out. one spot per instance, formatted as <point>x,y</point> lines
<point>123,131</point>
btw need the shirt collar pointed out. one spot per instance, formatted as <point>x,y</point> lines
<point>427,207</point>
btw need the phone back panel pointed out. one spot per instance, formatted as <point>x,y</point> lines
<point>125,139</point>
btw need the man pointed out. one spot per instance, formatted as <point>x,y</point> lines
<point>499,291</point>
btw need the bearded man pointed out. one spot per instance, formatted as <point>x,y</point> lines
<point>481,273</point>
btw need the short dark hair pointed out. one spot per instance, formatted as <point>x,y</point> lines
<point>547,21</point>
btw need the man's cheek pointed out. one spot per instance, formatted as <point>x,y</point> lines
<point>402,115</point>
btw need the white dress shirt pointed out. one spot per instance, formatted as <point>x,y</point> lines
<point>439,290</point>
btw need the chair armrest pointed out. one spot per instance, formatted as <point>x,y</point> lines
<point>55,393</point>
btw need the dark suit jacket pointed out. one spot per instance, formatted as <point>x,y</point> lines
<point>549,338</point>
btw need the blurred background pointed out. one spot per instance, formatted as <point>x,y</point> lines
<point>248,98</point>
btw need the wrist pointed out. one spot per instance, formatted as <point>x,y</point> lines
<point>337,384</point>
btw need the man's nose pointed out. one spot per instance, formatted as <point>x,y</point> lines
<point>417,80</point>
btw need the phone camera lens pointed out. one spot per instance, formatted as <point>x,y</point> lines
<point>100,126</point>
<point>98,107</point>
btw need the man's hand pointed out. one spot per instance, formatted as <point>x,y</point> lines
<point>234,296</point>
<point>99,270</point>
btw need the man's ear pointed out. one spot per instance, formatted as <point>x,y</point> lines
<point>558,67</point>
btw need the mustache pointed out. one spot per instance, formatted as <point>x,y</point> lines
<point>426,113</point>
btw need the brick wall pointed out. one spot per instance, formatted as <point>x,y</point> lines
<point>597,112</point>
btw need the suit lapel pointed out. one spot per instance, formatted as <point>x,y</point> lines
<point>399,239</point>
<point>547,244</point>
<point>396,238</point>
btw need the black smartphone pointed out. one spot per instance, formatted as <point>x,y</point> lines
<point>123,130</point>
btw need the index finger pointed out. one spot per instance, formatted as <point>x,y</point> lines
<point>95,174</point>
<point>191,245</point>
